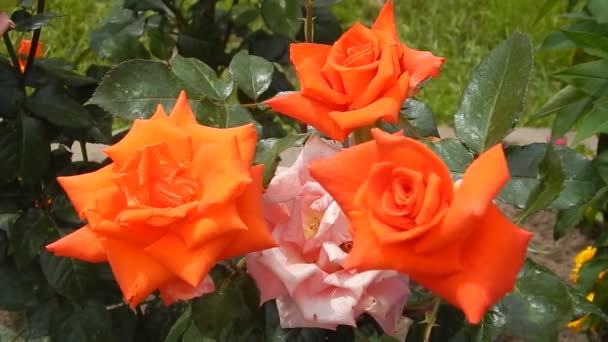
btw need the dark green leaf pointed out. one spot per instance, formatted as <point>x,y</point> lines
<point>268,150</point>
<point>158,320</point>
<point>29,234</point>
<point>20,288</point>
<point>124,323</point>
<point>180,326</point>
<point>601,165</point>
<point>117,39</point>
<point>200,80</point>
<point>34,22</point>
<point>594,122</point>
<point>282,16</point>
<point>55,70</point>
<point>227,313</point>
<point>551,182</point>
<point>147,5</point>
<point>494,98</point>
<point>71,278</point>
<point>11,90</point>
<point>160,40</point>
<point>87,323</point>
<point>557,40</point>
<point>271,47</point>
<point>35,150</point>
<point>327,28</point>
<point>237,115</point>
<point>252,74</point>
<point>134,89</point>
<point>55,105</point>
<point>414,114</point>
<point>10,151</point>
<point>591,77</point>
<point>568,218</point>
<point>580,178</point>
<point>593,43</point>
<point>243,14</point>
<point>589,272</point>
<point>454,154</point>
<point>561,99</point>
<point>567,116</point>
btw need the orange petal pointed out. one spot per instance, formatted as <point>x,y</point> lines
<point>413,155</point>
<point>156,217</point>
<point>137,274</point>
<point>245,135</point>
<point>343,173</point>
<point>191,265</point>
<point>81,244</point>
<point>302,51</point>
<point>420,65</point>
<point>492,257</point>
<point>177,289</point>
<point>481,183</point>
<point>386,18</point>
<point>214,222</point>
<point>314,84</point>
<point>222,172</point>
<point>386,107</point>
<point>152,132</point>
<point>310,111</point>
<point>257,236</point>
<point>81,189</point>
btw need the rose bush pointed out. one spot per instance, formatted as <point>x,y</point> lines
<point>177,197</point>
<point>305,273</point>
<point>407,215</point>
<point>365,76</point>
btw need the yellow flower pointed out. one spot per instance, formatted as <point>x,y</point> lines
<point>578,324</point>
<point>581,258</point>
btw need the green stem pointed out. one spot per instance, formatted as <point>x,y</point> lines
<point>83,149</point>
<point>309,29</point>
<point>32,55</point>
<point>360,135</point>
<point>430,319</point>
<point>11,51</point>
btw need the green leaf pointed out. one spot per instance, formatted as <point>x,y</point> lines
<point>181,325</point>
<point>117,39</point>
<point>237,115</point>
<point>20,288</point>
<point>418,115</point>
<point>593,43</point>
<point>551,182</point>
<point>591,77</point>
<point>11,90</point>
<point>35,150</point>
<point>87,323</point>
<point>567,116</point>
<point>580,178</point>
<point>73,279</point>
<point>494,98</point>
<point>10,151</point>
<point>589,272</point>
<point>34,22</point>
<point>28,235</point>
<point>537,309</point>
<point>160,40</point>
<point>561,99</point>
<point>594,122</point>
<point>569,218</point>
<point>252,74</point>
<point>200,79</point>
<point>454,154</point>
<point>55,70</point>
<point>282,16</point>
<point>601,165</point>
<point>134,89</point>
<point>599,9</point>
<point>228,311</point>
<point>55,105</point>
<point>268,150</point>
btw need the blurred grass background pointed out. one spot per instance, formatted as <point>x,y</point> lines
<point>463,31</point>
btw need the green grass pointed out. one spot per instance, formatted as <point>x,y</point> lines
<point>463,31</point>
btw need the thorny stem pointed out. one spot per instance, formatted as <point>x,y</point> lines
<point>308,36</point>
<point>360,135</point>
<point>430,319</point>
<point>11,51</point>
<point>32,55</point>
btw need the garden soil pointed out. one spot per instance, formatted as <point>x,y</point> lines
<point>555,255</point>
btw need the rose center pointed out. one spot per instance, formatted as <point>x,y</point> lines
<point>358,55</point>
<point>310,223</point>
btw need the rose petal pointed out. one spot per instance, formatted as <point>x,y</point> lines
<point>385,301</point>
<point>137,274</point>
<point>299,52</point>
<point>81,189</point>
<point>81,244</point>
<point>314,85</point>
<point>157,217</point>
<point>177,289</point>
<point>492,258</point>
<point>307,110</point>
<point>268,283</point>
<point>420,65</point>
<point>291,317</point>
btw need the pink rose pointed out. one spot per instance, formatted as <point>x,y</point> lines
<point>306,272</point>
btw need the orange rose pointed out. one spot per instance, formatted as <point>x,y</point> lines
<point>407,215</point>
<point>177,198</point>
<point>365,76</point>
<point>24,50</point>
